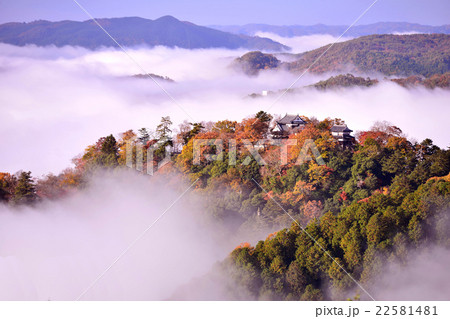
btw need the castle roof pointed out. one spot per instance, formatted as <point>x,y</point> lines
<point>291,119</point>
<point>340,128</point>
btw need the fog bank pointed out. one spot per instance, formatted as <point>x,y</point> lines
<point>426,276</point>
<point>303,43</point>
<point>56,101</point>
<point>55,250</point>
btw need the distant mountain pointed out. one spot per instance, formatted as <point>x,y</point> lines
<point>151,76</point>
<point>251,63</point>
<point>335,30</point>
<point>344,81</point>
<point>435,81</point>
<point>401,55</point>
<point>348,80</point>
<point>133,31</point>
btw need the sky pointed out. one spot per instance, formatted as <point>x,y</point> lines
<point>206,12</point>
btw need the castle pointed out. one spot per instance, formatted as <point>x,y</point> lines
<point>291,124</point>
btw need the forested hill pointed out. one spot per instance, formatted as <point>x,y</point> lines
<point>366,237</point>
<point>376,200</point>
<point>401,55</point>
<point>133,31</point>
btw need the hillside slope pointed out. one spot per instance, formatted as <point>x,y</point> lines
<point>418,54</point>
<point>166,31</point>
<point>252,62</point>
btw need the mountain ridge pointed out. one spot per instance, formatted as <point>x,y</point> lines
<point>399,55</point>
<point>335,30</point>
<point>129,31</point>
<point>402,55</point>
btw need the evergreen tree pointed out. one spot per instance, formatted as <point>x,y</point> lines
<point>163,129</point>
<point>109,146</point>
<point>196,128</point>
<point>25,191</point>
<point>144,135</point>
<point>110,152</point>
<point>262,124</point>
<point>163,132</point>
<point>264,117</point>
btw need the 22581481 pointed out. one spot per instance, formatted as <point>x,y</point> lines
<point>406,310</point>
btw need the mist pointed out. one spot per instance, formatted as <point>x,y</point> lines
<point>424,277</point>
<point>304,43</point>
<point>55,250</point>
<point>56,101</point>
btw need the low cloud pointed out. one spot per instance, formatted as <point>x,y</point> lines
<point>406,32</point>
<point>55,250</point>
<point>304,43</point>
<point>426,276</point>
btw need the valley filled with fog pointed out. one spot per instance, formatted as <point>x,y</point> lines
<point>56,101</point>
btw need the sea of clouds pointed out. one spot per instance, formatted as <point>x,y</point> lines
<point>56,101</point>
<point>304,43</point>
<point>73,248</point>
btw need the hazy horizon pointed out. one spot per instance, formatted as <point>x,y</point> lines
<point>103,100</point>
<point>234,12</point>
<point>224,24</point>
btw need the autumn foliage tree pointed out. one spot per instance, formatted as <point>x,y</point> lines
<point>7,184</point>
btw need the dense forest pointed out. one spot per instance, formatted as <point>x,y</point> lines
<point>252,62</point>
<point>432,82</point>
<point>369,204</point>
<point>344,80</point>
<point>401,55</point>
<point>372,201</point>
<point>349,80</point>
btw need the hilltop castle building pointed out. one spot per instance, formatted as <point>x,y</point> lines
<point>288,125</point>
<point>291,124</point>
